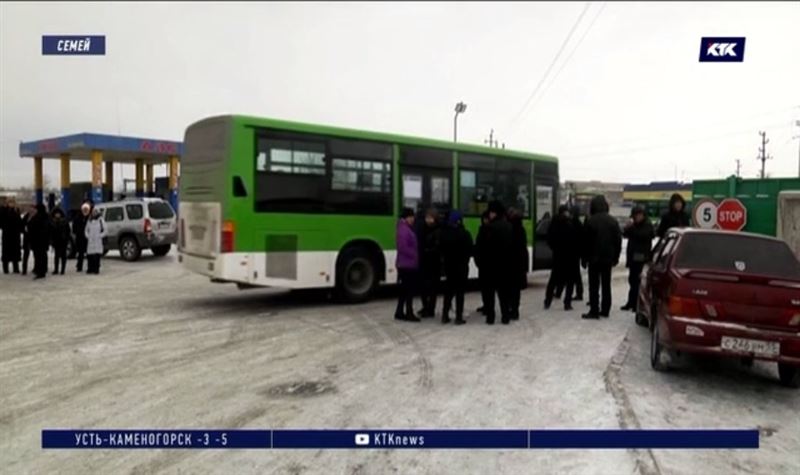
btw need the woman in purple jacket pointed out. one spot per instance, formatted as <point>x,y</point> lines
<point>407,264</point>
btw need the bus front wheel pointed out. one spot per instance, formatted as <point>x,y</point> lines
<point>356,275</point>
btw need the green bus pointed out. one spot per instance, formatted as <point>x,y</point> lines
<point>272,203</point>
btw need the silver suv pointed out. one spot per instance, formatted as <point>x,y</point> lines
<point>134,224</point>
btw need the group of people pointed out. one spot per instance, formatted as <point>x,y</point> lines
<point>596,244</point>
<point>430,246</point>
<point>36,230</point>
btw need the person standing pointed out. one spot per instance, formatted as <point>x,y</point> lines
<point>79,231</point>
<point>39,240</point>
<point>520,262</point>
<point>26,240</point>
<point>676,217</point>
<point>575,253</point>
<point>60,238</point>
<point>499,263</point>
<point>481,250</point>
<point>95,232</point>
<point>407,264</point>
<point>430,262</point>
<point>562,240</point>
<point>456,244</point>
<point>603,241</point>
<point>12,227</point>
<point>640,234</point>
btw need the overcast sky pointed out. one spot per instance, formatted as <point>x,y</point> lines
<point>631,103</point>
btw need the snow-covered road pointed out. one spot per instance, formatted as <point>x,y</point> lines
<point>148,345</point>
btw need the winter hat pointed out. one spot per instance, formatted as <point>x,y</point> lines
<point>455,217</point>
<point>497,207</point>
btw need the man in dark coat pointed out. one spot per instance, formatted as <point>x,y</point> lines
<point>676,217</point>
<point>481,251</point>
<point>59,238</point>
<point>456,244</point>
<point>575,262</point>
<point>78,231</point>
<point>499,262</point>
<point>640,234</point>
<point>564,241</point>
<point>430,262</point>
<point>39,239</point>
<point>26,239</point>
<point>520,262</point>
<point>602,247</point>
<point>12,229</point>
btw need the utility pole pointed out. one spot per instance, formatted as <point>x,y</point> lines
<point>460,109</point>
<point>738,167</point>
<point>491,139</point>
<point>763,153</point>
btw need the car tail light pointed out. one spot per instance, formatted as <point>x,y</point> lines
<point>227,236</point>
<point>684,307</point>
<point>148,226</point>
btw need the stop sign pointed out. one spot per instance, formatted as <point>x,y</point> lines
<point>731,215</point>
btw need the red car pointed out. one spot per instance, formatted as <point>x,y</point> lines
<point>723,293</point>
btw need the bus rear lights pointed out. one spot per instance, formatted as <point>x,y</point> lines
<point>795,321</point>
<point>692,330</point>
<point>226,244</point>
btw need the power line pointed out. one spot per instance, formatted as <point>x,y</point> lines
<point>555,59</point>
<point>566,61</point>
<point>656,147</point>
<point>705,127</point>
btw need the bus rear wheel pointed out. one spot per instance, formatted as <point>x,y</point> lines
<point>356,275</point>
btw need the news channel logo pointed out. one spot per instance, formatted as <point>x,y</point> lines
<point>74,45</point>
<point>362,439</point>
<point>729,49</point>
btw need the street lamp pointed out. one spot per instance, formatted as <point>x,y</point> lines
<point>460,109</point>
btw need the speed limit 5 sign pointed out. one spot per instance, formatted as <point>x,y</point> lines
<point>705,214</point>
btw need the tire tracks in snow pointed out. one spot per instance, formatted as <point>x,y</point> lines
<point>645,460</point>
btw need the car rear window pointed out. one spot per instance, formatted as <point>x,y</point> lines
<point>160,210</point>
<point>737,253</point>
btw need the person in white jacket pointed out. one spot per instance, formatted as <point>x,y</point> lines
<point>95,232</point>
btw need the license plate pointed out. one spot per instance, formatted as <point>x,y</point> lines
<point>163,225</point>
<point>745,345</point>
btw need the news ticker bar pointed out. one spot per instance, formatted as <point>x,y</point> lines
<point>400,439</point>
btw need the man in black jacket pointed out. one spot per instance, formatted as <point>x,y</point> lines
<point>603,245</point>
<point>12,227</point>
<point>676,217</point>
<point>78,231</point>
<point>430,262</point>
<point>39,236</point>
<point>639,232</point>
<point>60,238</point>
<point>498,262</point>
<point>456,244</point>
<point>561,239</point>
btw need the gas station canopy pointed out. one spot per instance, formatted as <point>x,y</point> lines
<point>115,148</point>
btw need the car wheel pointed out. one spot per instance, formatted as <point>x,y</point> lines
<point>789,375</point>
<point>129,249</point>
<point>160,250</point>
<point>656,350</point>
<point>356,275</point>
